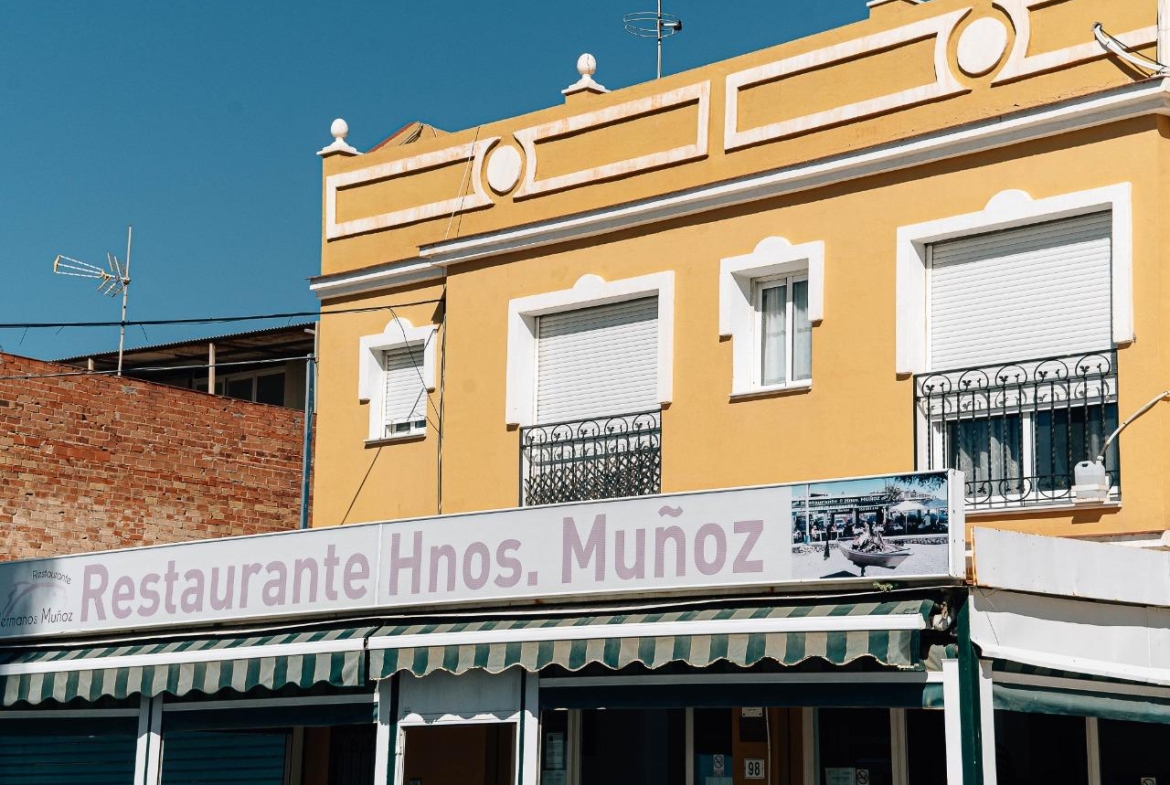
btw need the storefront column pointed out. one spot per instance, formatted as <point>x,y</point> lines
<point>528,752</point>
<point>969,701</point>
<point>1093,750</point>
<point>953,722</point>
<point>387,741</point>
<point>987,722</point>
<point>148,760</point>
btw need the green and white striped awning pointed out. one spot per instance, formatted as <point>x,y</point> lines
<point>181,666</point>
<point>1037,690</point>
<point>886,632</point>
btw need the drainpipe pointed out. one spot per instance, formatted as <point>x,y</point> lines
<point>307,444</point>
<point>969,697</point>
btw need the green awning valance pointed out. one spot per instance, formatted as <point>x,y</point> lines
<point>1026,688</point>
<point>886,632</point>
<point>181,666</point>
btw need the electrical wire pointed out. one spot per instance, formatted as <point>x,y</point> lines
<point>209,319</point>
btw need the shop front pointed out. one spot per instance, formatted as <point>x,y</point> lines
<point>693,638</point>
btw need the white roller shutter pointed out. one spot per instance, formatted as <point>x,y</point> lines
<point>404,402</point>
<point>596,362</point>
<point>1022,294</point>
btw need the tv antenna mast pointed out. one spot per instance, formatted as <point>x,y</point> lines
<point>653,24</point>
<point>112,281</point>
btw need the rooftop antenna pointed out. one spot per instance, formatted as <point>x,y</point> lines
<point>653,24</point>
<point>112,281</point>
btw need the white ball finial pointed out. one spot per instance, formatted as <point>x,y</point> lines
<point>587,65</point>
<point>340,129</point>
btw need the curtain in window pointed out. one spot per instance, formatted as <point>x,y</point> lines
<point>1065,437</point>
<point>774,328</point>
<point>802,329</point>
<point>987,451</point>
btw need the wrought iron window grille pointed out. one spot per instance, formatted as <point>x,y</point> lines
<point>598,458</point>
<point>1017,430</point>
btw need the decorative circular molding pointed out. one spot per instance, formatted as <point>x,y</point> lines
<point>982,45</point>
<point>503,169</point>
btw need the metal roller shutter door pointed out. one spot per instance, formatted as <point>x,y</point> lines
<point>597,362</point>
<point>1022,294</point>
<point>220,758</point>
<point>74,759</point>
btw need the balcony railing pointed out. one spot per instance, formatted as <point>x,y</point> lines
<point>601,458</point>
<point>1017,430</point>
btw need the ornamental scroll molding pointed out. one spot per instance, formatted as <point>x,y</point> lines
<point>476,199</point>
<point>945,84</point>
<point>1021,65</point>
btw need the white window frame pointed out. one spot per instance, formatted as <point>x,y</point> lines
<point>761,286</point>
<point>225,379</point>
<point>589,291</point>
<point>399,334</point>
<point>1009,209</point>
<point>740,279</point>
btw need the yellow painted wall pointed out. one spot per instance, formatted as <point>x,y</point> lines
<point>858,418</point>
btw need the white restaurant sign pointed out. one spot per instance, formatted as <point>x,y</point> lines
<point>741,538</point>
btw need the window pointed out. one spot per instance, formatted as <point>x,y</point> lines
<point>597,362</point>
<point>396,373</point>
<point>1023,383</point>
<point>404,402</point>
<point>770,300</point>
<point>258,386</point>
<point>783,331</point>
<point>588,371</point>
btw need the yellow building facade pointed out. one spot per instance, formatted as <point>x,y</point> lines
<point>849,160</point>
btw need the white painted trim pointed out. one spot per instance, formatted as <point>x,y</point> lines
<point>528,138</point>
<point>899,748</point>
<point>1093,751</point>
<point>1007,210</point>
<point>414,719</point>
<point>271,703</point>
<point>142,747</point>
<point>1111,670</point>
<point>181,657</point>
<point>154,756</point>
<point>745,679</point>
<point>374,279</point>
<point>987,721</point>
<point>372,350</point>
<point>1020,64</point>
<point>945,83</point>
<point>652,630</point>
<point>471,151</point>
<point>590,290</point>
<point>772,256</point>
<point>1081,685</point>
<point>953,722</point>
<point>384,743</point>
<point>1163,53</point>
<point>810,750</point>
<point>1135,100</point>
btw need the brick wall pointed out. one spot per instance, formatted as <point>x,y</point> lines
<point>98,462</point>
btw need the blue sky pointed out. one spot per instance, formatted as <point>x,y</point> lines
<point>198,123</point>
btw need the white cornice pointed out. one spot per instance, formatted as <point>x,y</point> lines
<point>1143,98</point>
<point>370,279</point>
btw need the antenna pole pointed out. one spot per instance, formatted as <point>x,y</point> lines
<point>659,30</point>
<point>125,296</point>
